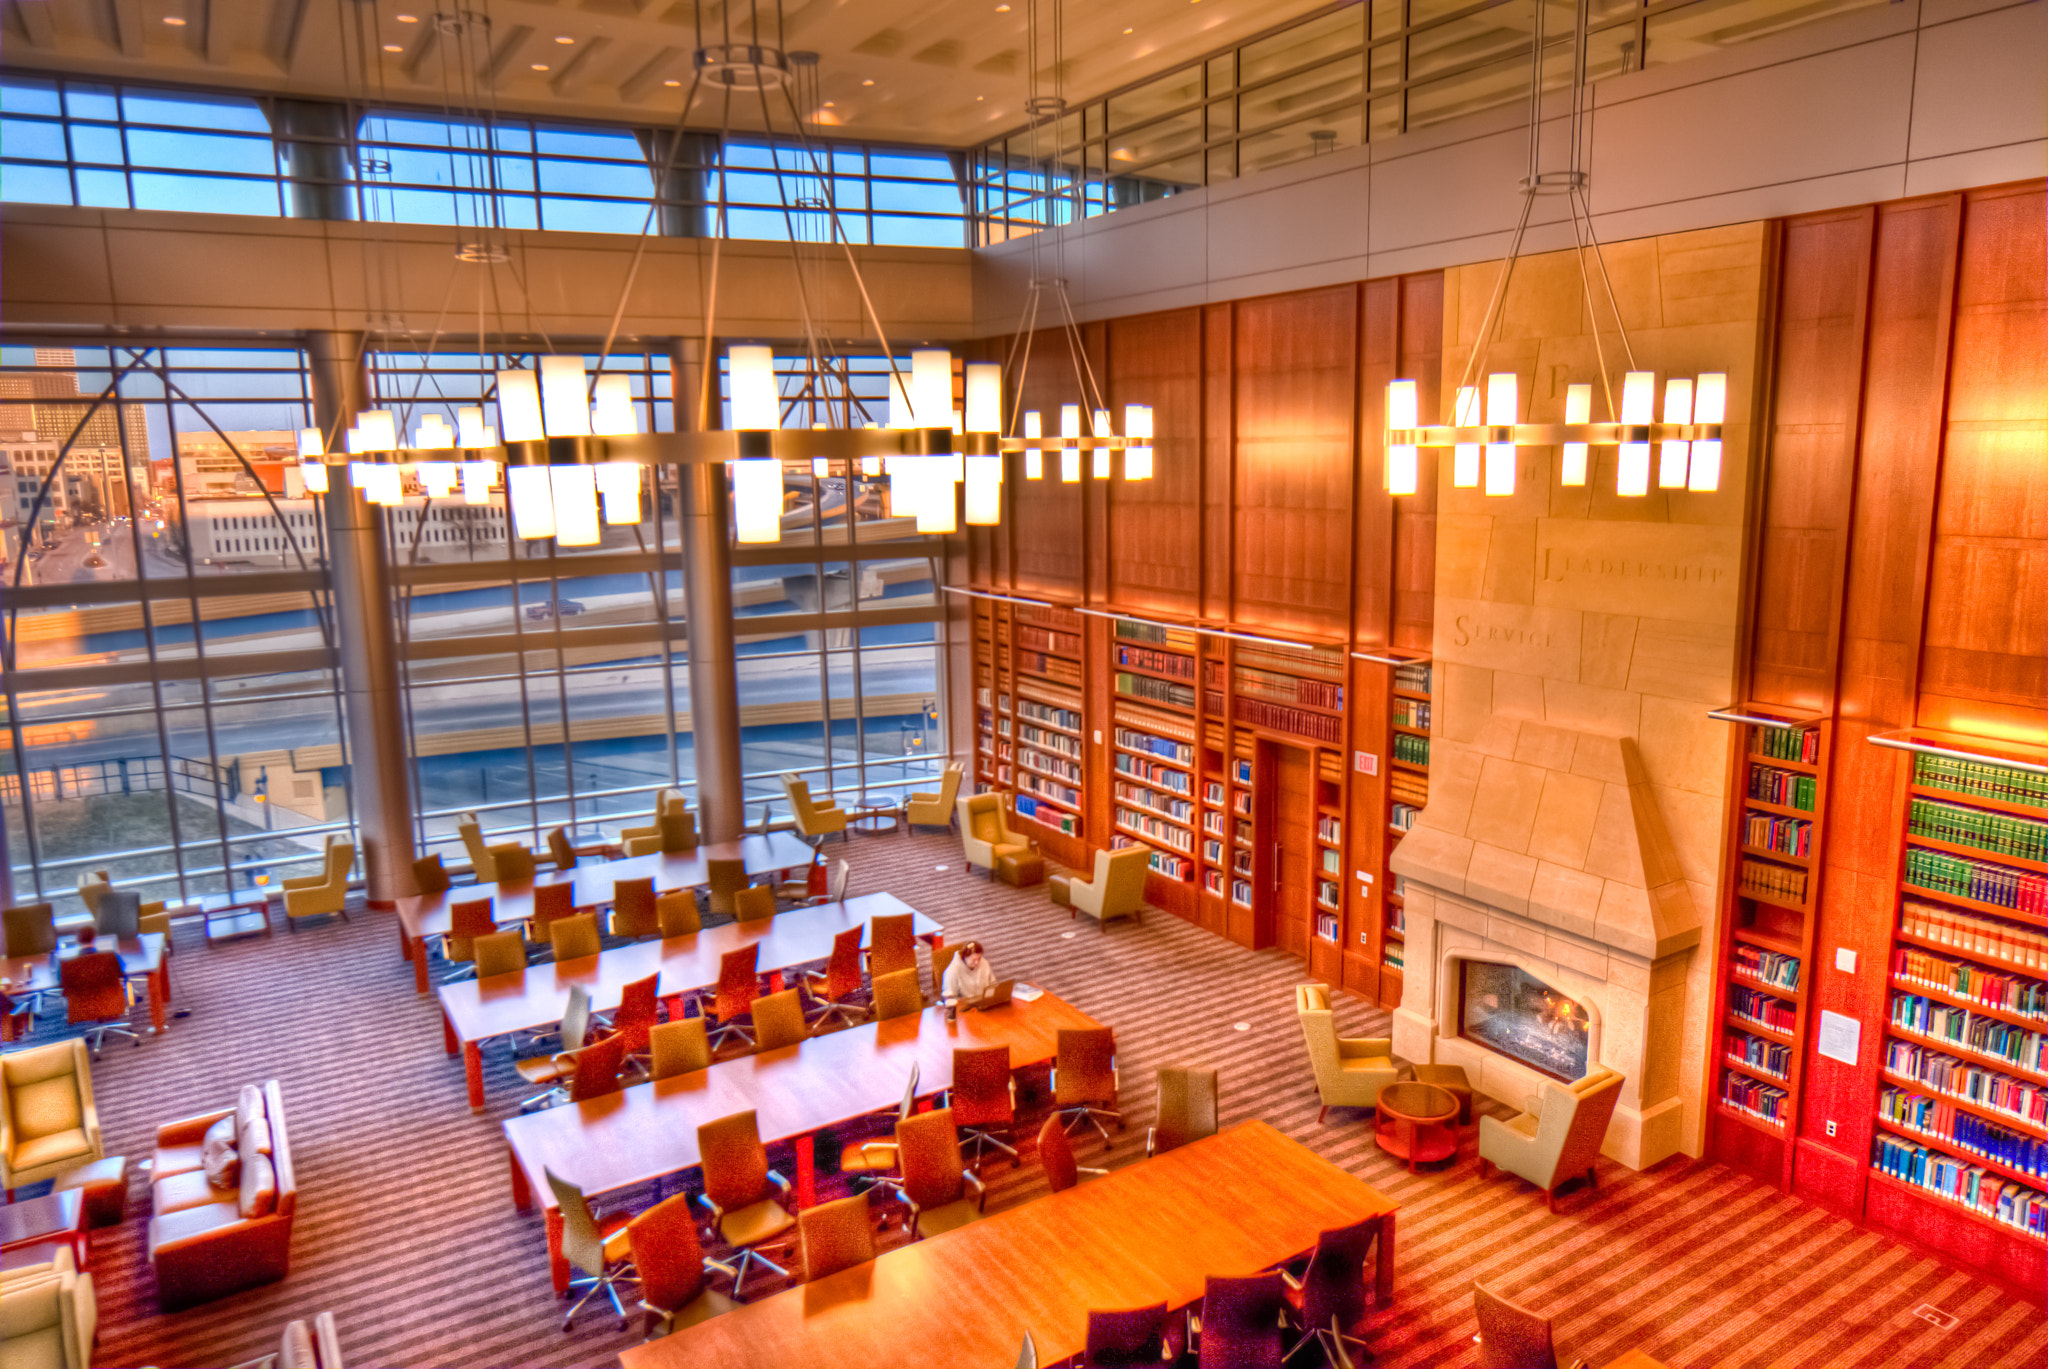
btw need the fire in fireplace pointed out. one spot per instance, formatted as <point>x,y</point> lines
<point>1509,1010</point>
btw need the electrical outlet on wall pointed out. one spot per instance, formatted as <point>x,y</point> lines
<point>1831,1126</point>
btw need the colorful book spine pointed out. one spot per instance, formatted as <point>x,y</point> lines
<point>1772,1057</point>
<point>1762,1009</point>
<point>2005,1201</point>
<point>1760,879</point>
<point>1981,881</point>
<point>2000,833</point>
<point>1766,1102</point>
<point>1166,748</point>
<point>1981,779</point>
<point>1786,744</point>
<point>1153,773</point>
<point>1155,691</point>
<point>1158,662</point>
<point>1962,1027</point>
<point>2009,992</point>
<point>1785,836</point>
<point>1971,1082</point>
<point>1785,788</point>
<point>1411,749</point>
<point>1965,1131</point>
<point>1411,713</point>
<point>1772,967</point>
<point>1414,677</point>
<point>1045,713</point>
<point>1980,934</point>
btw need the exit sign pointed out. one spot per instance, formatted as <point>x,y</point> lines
<point>1365,762</point>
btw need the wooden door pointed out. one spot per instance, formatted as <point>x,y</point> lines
<point>1289,838</point>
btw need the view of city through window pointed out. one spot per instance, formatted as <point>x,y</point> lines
<point>171,679</point>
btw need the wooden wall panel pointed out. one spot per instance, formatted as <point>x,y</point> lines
<point>1294,390</point>
<point>1422,346</point>
<point>1156,359</point>
<point>1219,457</point>
<point>1047,515</point>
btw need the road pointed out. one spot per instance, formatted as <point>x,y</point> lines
<point>102,551</point>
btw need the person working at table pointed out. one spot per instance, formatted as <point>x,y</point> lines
<point>969,977</point>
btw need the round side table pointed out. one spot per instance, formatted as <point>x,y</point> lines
<point>1417,1122</point>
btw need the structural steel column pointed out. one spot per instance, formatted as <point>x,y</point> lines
<point>359,570</point>
<point>318,144</point>
<point>705,522</point>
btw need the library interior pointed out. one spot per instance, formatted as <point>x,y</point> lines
<point>1212,682</point>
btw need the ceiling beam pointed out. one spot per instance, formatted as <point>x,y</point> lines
<point>35,22</point>
<point>577,72</point>
<point>496,62</point>
<point>635,89</point>
<point>126,16</point>
<point>217,31</point>
<point>415,65</point>
<point>287,24</point>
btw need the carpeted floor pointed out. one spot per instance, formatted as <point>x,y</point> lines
<point>406,1228</point>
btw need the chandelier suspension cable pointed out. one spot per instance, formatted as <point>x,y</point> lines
<point>707,364</point>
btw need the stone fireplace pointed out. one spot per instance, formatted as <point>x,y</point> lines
<point>1510,1011</point>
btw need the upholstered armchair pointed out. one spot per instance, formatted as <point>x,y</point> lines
<point>481,866</point>
<point>813,819</point>
<point>1557,1135</point>
<point>322,894</point>
<point>936,810</point>
<point>154,918</point>
<point>48,1122</point>
<point>49,1315</point>
<point>1350,1071</point>
<point>984,834</point>
<point>1117,888</point>
<point>674,828</point>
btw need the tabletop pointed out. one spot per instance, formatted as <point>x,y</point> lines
<point>139,955</point>
<point>427,914</point>
<point>1234,1203</point>
<point>482,1008</point>
<point>39,1219</point>
<point>650,1129</point>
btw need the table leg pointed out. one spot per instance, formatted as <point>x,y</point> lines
<point>775,981</point>
<point>473,1066</point>
<point>1383,1281</point>
<point>159,990</point>
<point>522,1191</point>
<point>558,1266</point>
<point>416,952</point>
<point>806,1171</point>
<point>404,942</point>
<point>448,1037</point>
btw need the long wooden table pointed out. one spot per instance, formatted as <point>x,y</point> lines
<point>650,1130</point>
<point>145,956</point>
<point>1231,1204</point>
<point>475,1010</point>
<point>428,915</point>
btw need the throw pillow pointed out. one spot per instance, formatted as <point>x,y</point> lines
<point>248,1105</point>
<point>223,1162</point>
<point>259,1186</point>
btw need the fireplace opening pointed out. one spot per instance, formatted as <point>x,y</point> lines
<point>1509,1010</point>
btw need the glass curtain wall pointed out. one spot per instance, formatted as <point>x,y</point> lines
<point>171,697</point>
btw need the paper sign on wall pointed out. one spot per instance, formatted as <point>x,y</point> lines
<point>1839,1036</point>
<point>1365,762</point>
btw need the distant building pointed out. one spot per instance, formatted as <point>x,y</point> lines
<point>88,485</point>
<point>210,468</point>
<point>244,531</point>
<point>10,514</point>
<point>44,408</point>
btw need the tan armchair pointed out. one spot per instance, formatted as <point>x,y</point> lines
<point>153,919</point>
<point>673,830</point>
<point>324,894</point>
<point>936,810</point>
<point>985,834</point>
<point>49,1316</point>
<point>48,1121</point>
<point>481,866</point>
<point>1350,1071</point>
<point>1557,1135</point>
<point>814,819</point>
<point>1117,889</point>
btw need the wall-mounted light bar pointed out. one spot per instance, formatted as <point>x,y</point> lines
<point>1231,633</point>
<point>1001,598</point>
<point>1908,741</point>
<point>1735,714</point>
<point>1387,658</point>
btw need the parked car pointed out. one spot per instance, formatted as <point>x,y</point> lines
<point>560,608</point>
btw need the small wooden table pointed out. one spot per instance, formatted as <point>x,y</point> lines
<point>1417,1122</point>
<point>475,1010</point>
<point>1243,1200</point>
<point>427,915</point>
<point>146,956</point>
<point>53,1219</point>
<point>649,1130</point>
<point>869,814</point>
<point>230,916</point>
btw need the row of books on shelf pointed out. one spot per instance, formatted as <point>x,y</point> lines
<point>1772,1057</point>
<point>1413,677</point>
<point>1052,667</point>
<point>1045,762</point>
<point>1786,836</point>
<point>1241,862</point>
<point>1157,691</point>
<point>1786,788</point>
<point>1241,892</point>
<point>1762,1009</point>
<point>1212,851</point>
<point>1962,1027</point>
<point>1761,879</point>
<point>1166,748</point>
<point>1332,861</point>
<point>1411,713</point>
<point>1159,662</point>
<point>1269,684</point>
<point>2002,833</point>
<point>1767,1102</point>
<point>2014,993</point>
<point>1402,816</point>
<point>1326,927</point>
<point>1982,1085</point>
<point>1047,713</point>
<point>1322,727</point>
<point>1393,955</point>
<point>1406,786</point>
<point>1042,639</point>
<point>1174,867</point>
<point>1152,829</point>
<point>1051,741</point>
<point>1981,880</point>
<point>1785,744</point>
<point>1397,919</point>
<point>1975,933</point>
<point>1151,772</point>
<point>1242,769</point>
<point>1981,780</point>
<point>1772,967</point>
<point>1329,893</point>
<point>1051,789</point>
<point>1329,829</point>
<point>1411,749</point>
<point>1965,1131</point>
<point>1058,819</point>
<point>2006,1201</point>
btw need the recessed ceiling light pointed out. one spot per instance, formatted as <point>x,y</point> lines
<point>671,83</point>
<point>1002,9</point>
<point>407,19</point>
<point>174,21</point>
<point>540,66</point>
<point>1128,30</point>
<point>829,104</point>
<point>981,97</point>
<point>867,83</point>
<point>394,47</point>
<point>564,38</point>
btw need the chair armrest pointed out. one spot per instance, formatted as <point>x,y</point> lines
<point>1356,1047</point>
<point>1289,1279</point>
<point>712,1266</point>
<point>717,1212</point>
<point>327,1341</point>
<point>92,1107</point>
<point>190,1129</point>
<point>1088,1169</point>
<point>779,1182</point>
<point>980,1189</point>
<point>1151,1138</point>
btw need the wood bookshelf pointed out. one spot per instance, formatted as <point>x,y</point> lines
<point>1762,1004</point>
<point>1407,784</point>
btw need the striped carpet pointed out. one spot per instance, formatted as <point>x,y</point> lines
<point>406,1229</point>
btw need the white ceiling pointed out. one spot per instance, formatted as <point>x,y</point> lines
<point>944,72</point>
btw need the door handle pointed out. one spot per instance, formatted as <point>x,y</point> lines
<point>1276,865</point>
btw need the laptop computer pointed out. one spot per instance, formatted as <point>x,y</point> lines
<point>997,997</point>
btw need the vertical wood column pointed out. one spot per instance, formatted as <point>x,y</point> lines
<point>704,519</point>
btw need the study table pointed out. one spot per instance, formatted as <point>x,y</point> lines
<point>144,956</point>
<point>1231,1204</point>
<point>650,1130</point>
<point>475,1010</point>
<point>427,915</point>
